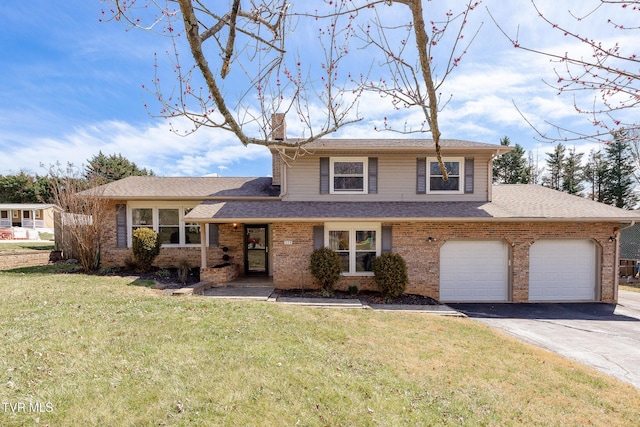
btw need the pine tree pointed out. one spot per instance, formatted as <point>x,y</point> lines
<point>555,162</point>
<point>572,173</point>
<point>594,173</point>
<point>511,167</point>
<point>110,168</point>
<point>618,182</point>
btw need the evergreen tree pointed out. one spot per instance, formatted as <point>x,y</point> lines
<point>594,173</point>
<point>511,167</point>
<point>24,188</point>
<point>555,162</point>
<point>618,182</point>
<point>572,173</point>
<point>105,169</point>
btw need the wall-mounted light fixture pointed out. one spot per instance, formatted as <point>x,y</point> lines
<point>235,226</point>
<point>612,239</point>
<point>431,239</point>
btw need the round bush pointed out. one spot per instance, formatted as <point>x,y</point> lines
<point>146,247</point>
<point>325,266</point>
<point>390,274</point>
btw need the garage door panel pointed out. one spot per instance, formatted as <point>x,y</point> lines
<point>474,271</point>
<point>562,270</point>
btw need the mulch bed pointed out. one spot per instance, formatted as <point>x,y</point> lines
<point>364,296</point>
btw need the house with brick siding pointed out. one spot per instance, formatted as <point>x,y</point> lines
<point>463,239</point>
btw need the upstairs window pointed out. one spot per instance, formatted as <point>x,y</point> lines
<point>348,175</point>
<point>453,184</point>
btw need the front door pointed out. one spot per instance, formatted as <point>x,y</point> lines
<point>256,256</point>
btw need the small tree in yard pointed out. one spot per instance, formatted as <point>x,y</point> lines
<point>325,267</point>
<point>146,247</point>
<point>85,216</point>
<point>390,274</point>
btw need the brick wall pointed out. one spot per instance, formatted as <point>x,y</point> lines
<point>171,256</point>
<point>11,260</point>
<point>290,262</point>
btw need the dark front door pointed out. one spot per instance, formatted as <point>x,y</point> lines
<point>256,255</point>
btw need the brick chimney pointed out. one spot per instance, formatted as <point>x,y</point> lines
<point>278,133</point>
<point>278,127</point>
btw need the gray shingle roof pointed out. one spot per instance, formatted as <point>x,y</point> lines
<point>188,188</point>
<point>510,202</point>
<point>337,144</point>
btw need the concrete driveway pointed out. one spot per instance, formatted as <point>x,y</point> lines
<point>603,336</point>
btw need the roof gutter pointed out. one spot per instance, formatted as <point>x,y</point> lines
<point>402,219</point>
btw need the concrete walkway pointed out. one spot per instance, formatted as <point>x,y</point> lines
<point>268,293</point>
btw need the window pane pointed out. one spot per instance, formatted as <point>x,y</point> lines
<point>348,183</point>
<point>348,168</point>
<point>191,233</point>
<point>453,168</point>
<point>339,240</point>
<point>142,217</point>
<point>169,216</point>
<point>435,169</point>
<point>364,261</point>
<point>169,235</point>
<point>438,184</point>
<point>344,261</point>
<point>365,240</point>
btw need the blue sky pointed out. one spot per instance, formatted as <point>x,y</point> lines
<point>72,86</point>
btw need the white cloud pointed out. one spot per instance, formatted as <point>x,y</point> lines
<point>151,146</point>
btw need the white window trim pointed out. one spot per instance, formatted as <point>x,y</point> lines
<point>155,207</point>
<point>352,227</point>
<point>460,189</point>
<point>365,174</point>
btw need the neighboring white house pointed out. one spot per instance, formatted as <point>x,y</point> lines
<point>16,217</point>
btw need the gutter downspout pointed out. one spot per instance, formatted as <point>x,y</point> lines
<point>616,272</point>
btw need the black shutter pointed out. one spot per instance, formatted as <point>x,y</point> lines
<point>468,176</point>
<point>213,234</point>
<point>387,243</point>
<point>421,176</point>
<point>373,175</point>
<point>318,237</point>
<point>324,175</point>
<point>121,226</point>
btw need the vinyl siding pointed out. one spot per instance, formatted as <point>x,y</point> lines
<point>396,181</point>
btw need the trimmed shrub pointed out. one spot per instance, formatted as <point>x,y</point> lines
<point>325,267</point>
<point>390,274</point>
<point>146,247</point>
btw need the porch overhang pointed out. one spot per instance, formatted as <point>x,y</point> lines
<point>284,211</point>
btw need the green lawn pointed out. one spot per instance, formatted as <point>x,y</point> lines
<point>98,351</point>
<point>26,246</point>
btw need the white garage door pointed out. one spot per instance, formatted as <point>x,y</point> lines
<point>562,270</point>
<point>472,271</point>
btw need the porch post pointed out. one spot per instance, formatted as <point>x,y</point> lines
<point>33,218</point>
<point>203,245</point>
